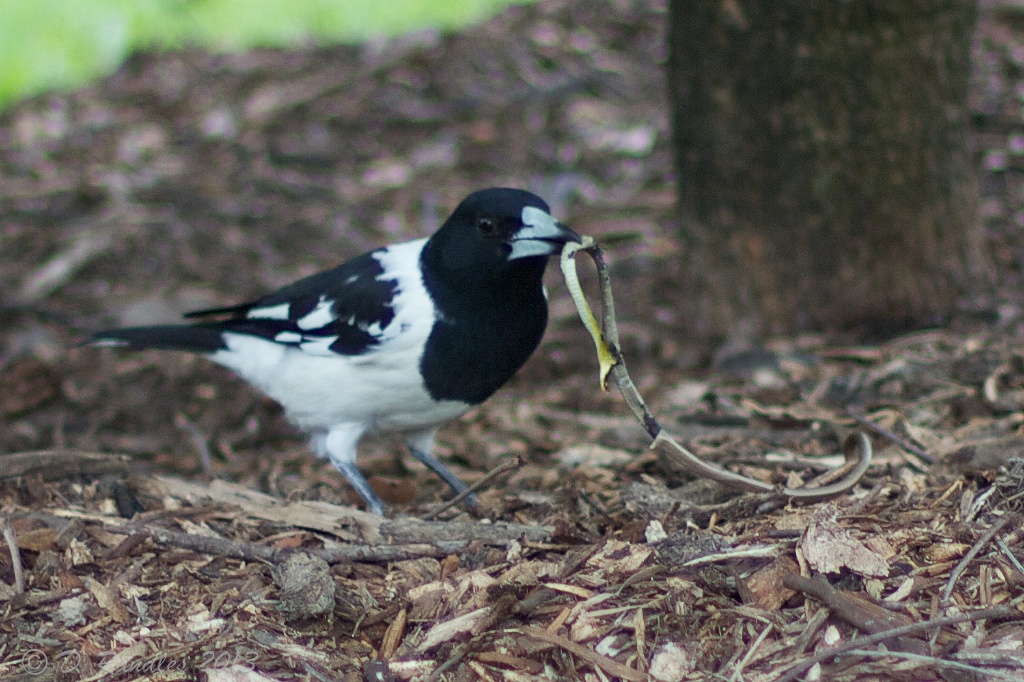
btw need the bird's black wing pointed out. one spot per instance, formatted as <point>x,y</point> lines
<point>345,310</point>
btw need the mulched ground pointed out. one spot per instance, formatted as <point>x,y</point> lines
<point>187,179</point>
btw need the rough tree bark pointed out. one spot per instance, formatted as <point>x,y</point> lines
<point>824,173</point>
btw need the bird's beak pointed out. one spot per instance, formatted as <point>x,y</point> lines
<point>541,235</point>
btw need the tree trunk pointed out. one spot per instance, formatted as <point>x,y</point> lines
<point>824,173</point>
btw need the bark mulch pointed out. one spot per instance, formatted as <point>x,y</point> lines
<point>162,521</point>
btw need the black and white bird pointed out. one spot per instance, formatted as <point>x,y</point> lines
<point>397,340</point>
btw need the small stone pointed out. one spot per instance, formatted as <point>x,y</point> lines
<point>306,584</point>
<point>71,611</point>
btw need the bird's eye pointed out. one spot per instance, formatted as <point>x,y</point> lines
<point>486,226</point>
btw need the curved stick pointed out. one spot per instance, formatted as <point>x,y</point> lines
<point>606,340</point>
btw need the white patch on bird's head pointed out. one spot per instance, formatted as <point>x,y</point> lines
<point>536,217</point>
<point>541,234</point>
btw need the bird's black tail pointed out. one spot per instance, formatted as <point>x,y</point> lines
<point>193,338</point>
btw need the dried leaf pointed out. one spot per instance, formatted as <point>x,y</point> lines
<point>36,540</point>
<point>107,600</point>
<point>829,548</point>
<point>393,635</point>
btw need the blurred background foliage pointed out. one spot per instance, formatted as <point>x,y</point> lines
<point>49,44</point>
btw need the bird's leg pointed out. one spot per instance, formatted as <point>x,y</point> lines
<point>355,478</point>
<point>421,446</point>
<point>339,445</point>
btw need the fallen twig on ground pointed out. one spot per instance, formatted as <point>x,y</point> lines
<point>606,341</point>
<point>345,523</point>
<point>973,552</point>
<point>504,467</point>
<point>57,271</point>
<point>12,546</point>
<point>863,615</point>
<point>976,672</point>
<point>861,642</point>
<point>889,434</point>
<point>608,665</point>
<point>249,551</point>
<point>54,465</point>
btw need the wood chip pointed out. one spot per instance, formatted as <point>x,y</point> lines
<point>466,624</point>
<point>764,589</point>
<point>608,665</point>
<point>829,548</point>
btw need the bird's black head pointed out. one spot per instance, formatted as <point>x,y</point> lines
<point>496,232</point>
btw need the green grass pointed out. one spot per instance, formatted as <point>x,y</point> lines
<point>47,44</point>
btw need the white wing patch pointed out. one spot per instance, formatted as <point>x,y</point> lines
<point>318,345</point>
<point>314,345</point>
<point>413,307</point>
<point>272,312</point>
<point>320,316</point>
<point>371,329</point>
